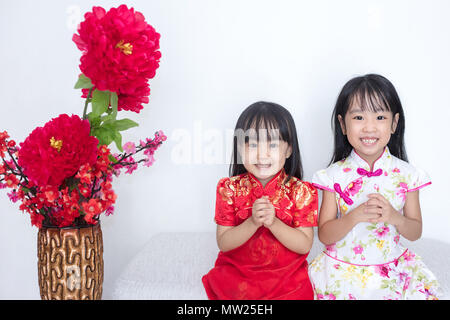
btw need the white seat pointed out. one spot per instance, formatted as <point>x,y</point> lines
<point>171,265</point>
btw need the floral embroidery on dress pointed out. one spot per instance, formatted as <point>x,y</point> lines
<point>295,201</point>
<point>262,267</point>
<point>370,262</point>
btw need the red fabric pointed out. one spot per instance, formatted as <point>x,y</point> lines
<point>262,268</point>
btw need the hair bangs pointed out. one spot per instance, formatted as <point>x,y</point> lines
<point>265,125</point>
<point>369,98</point>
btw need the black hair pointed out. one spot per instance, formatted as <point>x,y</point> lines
<point>268,115</point>
<point>375,93</point>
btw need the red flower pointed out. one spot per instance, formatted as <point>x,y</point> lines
<point>70,200</point>
<point>51,193</point>
<point>131,100</point>
<point>120,53</point>
<point>93,206</point>
<point>11,181</point>
<point>36,219</point>
<point>56,151</point>
<point>86,192</point>
<point>85,174</point>
<point>92,209</point>
<point>65,217</point>
<point>3,136</point>
<point>109,196</point>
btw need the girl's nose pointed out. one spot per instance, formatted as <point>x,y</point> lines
<point>369,126</point>
<point>263,151</point>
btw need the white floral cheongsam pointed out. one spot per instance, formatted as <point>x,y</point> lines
<point>370,262</point>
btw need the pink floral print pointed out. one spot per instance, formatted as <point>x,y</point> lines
<point>370,262</point>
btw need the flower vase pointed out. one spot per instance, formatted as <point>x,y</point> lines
<point>70,263</point>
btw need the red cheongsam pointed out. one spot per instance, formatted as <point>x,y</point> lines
<point>262,267</point>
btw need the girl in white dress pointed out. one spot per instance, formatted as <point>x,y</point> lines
<point>370,199</point>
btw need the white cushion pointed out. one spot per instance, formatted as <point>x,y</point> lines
<point>171,265</point>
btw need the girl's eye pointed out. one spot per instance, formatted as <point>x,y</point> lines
<point>358,117</point>
<point>253,145</point>
<point>274,145</point>
<point>381,117</point>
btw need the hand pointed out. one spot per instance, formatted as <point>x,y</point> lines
<point>263,212</point>
<point>364,213</point>
<point>269,213</point>
<point>378,204</point>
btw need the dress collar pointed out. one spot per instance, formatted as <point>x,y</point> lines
<point>380,163</point>
<point>278,178</point>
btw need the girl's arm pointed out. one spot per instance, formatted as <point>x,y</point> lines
<point>295,239</point>
<point>229,238</point>
<point>333,229</point>
<point>410,223</point>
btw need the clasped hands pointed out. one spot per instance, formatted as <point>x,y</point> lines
<point>263,212</point>
<point>377,209</point>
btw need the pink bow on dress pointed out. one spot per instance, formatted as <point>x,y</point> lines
<point>344,195</point>
<point>369,174</point>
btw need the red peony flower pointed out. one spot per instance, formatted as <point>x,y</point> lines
<point>120,53</point>
<point>131,101</point>
<point>56,151</point>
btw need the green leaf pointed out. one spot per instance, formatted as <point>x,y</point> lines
<point>100,102</point>
<point>114,100</point>
<point>124,124</point>
<point>83,82</point>
<point>104,135</point>
<point>94,120</point>
<point>118,140</point>
<point>25,189</point>
<point>112,159</point>
<point>108,119</point>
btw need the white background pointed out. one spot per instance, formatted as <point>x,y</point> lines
<point>217,58</point>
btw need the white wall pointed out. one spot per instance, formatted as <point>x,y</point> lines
<point>217,58</point>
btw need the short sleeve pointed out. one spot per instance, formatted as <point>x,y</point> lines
<point>322,181</point>
<point>225,214</point>
<point>306,205</point>
<point>418,179</point>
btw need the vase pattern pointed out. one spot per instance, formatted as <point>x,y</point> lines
<point>70,263</point>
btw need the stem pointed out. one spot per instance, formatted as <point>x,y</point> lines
<point>93,186</point>
<point>138,149</point>
<point>86,103</point>
<point>17,165</point>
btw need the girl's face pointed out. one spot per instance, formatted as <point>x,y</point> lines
<point>367,131</point>
<point>265,158</point>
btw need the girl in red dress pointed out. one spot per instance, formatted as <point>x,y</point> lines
<point>264,213</point>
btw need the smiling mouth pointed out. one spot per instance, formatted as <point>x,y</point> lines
<point>369,141</point>
<point>263,166</point>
